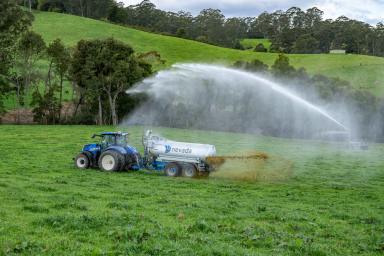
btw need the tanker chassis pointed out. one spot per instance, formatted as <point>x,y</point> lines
<point>113,153</point>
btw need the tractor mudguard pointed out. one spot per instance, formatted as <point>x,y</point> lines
<point>118,149</point>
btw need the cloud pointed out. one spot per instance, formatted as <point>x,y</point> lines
<point>370,11</point>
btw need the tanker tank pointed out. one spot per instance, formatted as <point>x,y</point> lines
<point>159,146</point>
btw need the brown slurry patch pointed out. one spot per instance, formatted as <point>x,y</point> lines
<point>254,166</point>
<point>217,161</point>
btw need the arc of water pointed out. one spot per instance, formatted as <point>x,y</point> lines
<point>274,86</point>
<point>184,69</point>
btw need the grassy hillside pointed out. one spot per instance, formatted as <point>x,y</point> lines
<point>362,71</point>
<point>331,205</point>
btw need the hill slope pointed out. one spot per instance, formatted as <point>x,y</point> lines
<point>364,72</point>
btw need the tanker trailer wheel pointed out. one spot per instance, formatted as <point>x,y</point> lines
<point>172,170</point>
<point>189,171</point>
<point>111,161</point>
<point>82,161</point>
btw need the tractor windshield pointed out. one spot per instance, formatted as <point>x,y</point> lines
<point>112,139</point>
<point>107,140</point>
<point>121,140</point>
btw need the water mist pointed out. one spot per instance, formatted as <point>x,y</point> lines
<point>212,97</point>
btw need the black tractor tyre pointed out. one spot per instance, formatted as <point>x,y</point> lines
<point>82,161</point>
<point>133,159</point>
<point>111,161</point>
<point>122,162</point>
<point>172,170</point>
<point>189,170</point>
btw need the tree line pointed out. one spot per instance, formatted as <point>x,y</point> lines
<point>298,31</point>
<point>290,31</point>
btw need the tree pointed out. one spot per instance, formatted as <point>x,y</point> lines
<point>143,14</point>
<point>31,48</point>
<point>13,22</point>
<point>262,26</point>
<point>324,34</point>
<point>281,66</point>
<point>30,4</point>
<point>117,13</point>
<point>210,24</point>
<point>83,72</point>
<point>235,29</point>
<point>253,66</point>
<point>107,68</point>
<point>306,44</point>
<point>98,9</point>
<point>53,5</point>
<point>46,104</point>
<point>120,70</point>
<point>60,59</point>
<point>313,16</point>
<point>260,48</point>
<point>181,32</point>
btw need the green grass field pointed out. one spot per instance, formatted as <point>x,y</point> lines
<point>362,71</point>
<point>332,204</point>
<point>250,43</point>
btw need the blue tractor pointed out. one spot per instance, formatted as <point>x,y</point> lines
<point>112,153</point>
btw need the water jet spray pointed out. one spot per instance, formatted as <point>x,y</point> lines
<point>214,97</point>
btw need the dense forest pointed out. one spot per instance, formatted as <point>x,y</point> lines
<point>290,31</point>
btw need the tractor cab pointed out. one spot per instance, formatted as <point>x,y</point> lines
<point>108,139</point>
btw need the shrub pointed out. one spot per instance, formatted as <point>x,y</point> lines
<point>260,48</point>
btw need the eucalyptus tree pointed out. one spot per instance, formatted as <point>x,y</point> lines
<point>59,60</point>
<point>13,23</point>
<point>105,69</point>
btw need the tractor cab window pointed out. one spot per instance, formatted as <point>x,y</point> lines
<point>107,140</point>
<point>121,140</point>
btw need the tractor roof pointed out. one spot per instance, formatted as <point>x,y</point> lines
<point>112,133</point>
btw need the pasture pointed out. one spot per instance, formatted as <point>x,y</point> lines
<point>332,204</point>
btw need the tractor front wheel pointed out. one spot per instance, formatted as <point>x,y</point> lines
<point>111,161</point>
<point>82,161</point>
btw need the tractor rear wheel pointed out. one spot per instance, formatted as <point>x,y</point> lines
<point>111,161</point>
<point>189,171</point>
<point>172,170</point>
<point>82,161</point>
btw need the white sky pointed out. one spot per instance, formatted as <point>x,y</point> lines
<point>371,11</point>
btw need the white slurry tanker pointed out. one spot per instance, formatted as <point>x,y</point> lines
<point>176,158</point>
